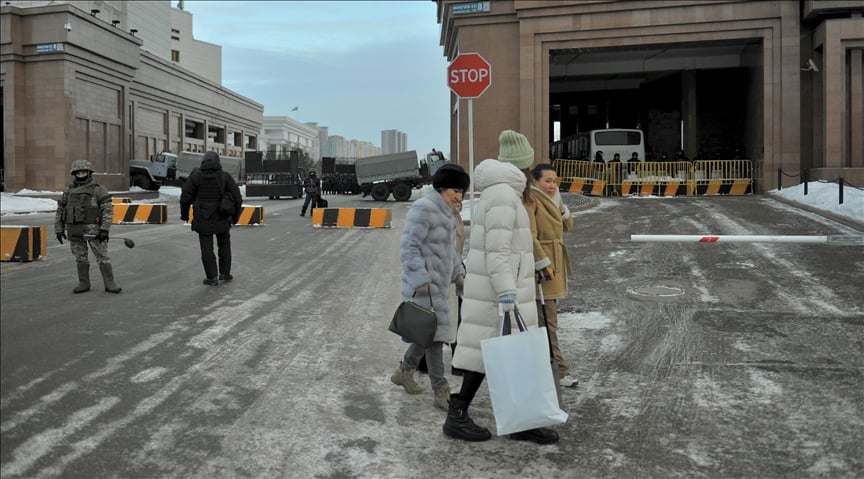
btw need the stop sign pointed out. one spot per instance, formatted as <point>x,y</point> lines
<point>469,75</point>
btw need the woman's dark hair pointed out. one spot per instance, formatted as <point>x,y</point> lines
<point>526,193</point>
<point>538,170</point>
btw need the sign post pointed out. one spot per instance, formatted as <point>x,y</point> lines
<point>468,76</point>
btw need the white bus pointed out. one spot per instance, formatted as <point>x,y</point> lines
<point>586,145</point>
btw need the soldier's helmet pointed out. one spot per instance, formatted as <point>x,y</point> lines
<point>81,165</point>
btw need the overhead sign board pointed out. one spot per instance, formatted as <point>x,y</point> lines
<point>470,7</point>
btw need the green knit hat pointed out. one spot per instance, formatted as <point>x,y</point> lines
<point>514,148</point>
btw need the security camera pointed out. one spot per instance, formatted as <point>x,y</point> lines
<point>811,66</point>
<point>68,27</point>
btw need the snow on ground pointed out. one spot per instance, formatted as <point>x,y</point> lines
<point>826,197</point>
<point>823,196</point>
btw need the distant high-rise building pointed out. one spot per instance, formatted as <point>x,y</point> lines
<point>393,141</point>
<point>323,132</point>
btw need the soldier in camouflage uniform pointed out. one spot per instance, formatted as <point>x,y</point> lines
<point>85,211</point>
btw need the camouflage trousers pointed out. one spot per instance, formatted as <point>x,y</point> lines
<point>100,251</point>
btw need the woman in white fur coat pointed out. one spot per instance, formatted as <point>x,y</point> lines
<point>430,265</point>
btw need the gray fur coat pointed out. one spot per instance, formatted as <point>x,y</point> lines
<point>428,256</point>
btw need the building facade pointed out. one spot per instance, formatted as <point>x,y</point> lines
<point>79,81</point>
<point>288,134</point>
<point>776,82</point>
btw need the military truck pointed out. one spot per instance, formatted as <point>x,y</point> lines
<point>160,169</point>
<point>396,173</point>
<point>172,169</point>
<point>188,161</point>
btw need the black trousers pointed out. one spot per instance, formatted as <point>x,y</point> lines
<point>310,198</point>
<point>208,258</point>
<point>471,381</point>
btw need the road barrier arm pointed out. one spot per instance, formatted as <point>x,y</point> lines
<point>829,239</point>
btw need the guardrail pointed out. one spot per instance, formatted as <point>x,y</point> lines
<point>667,178</point>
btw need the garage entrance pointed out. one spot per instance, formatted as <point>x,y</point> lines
<point>704,99</point>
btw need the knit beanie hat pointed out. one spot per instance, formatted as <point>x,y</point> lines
<point>451,176</point>
<point>514,148</point>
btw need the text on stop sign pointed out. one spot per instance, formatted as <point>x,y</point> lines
<point>469,75</point>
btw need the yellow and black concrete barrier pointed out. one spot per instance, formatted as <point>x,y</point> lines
<point>140,213</point>
<point>251,215</point>
<point>352,217</point>
<point>23,243</point>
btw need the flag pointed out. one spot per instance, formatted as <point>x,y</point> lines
<point>295,108</point>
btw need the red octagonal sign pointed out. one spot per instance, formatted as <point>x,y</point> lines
<point>469,75</point>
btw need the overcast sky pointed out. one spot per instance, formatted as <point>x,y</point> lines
<point>357,67</point>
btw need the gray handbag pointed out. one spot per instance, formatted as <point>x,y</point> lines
<point>415,323</point>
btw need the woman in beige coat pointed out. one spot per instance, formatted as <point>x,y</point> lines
<point>550,218</point>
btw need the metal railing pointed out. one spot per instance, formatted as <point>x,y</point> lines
<point>805,180</point>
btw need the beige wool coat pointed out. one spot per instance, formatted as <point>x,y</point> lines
<point>550,218</point>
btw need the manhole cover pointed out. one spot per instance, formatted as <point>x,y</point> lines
<point>655,293</point>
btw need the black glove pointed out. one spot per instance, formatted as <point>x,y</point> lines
<point>102,236</point>
<point>61,237</point>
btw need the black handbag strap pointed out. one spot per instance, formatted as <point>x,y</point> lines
<point>429,292</point>
<point>520,321</point>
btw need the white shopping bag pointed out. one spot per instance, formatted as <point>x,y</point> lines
<point>521,386</point>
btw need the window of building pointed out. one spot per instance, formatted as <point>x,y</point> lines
<point>175,55</point>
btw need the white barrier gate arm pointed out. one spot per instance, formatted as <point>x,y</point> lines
<point>829,239</point>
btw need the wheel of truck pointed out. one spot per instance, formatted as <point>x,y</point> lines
<point>140,180</point>
<point>402,192</point>
<point>380,191</point>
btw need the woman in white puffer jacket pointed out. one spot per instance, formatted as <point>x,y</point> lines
<point>500,260</point>
<point>500,274</point>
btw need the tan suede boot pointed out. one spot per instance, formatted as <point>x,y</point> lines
<point>405,378</point>
<point>442,397</point>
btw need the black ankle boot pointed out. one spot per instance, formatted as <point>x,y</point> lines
<point>541,435</point>
<point>459,425</point>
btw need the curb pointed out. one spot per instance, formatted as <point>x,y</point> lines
<point>844,220</point>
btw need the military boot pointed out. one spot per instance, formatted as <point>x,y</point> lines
<point>83,278</point>
<point>459,425</point>
<point>108,277</point>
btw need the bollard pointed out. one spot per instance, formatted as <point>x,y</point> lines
<point>840,181</point>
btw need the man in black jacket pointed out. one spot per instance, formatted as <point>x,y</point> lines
<point>313,191</point>
<point>204,189</point>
